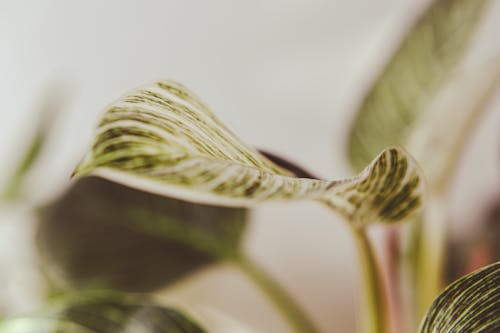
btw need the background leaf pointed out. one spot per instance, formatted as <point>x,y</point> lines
<point>423,62</point>
<point>50,106</point>
<point>458,106</point>
<point>410,103</point>
<point>162,139</point>
<point>470,304</point>
<point>103,234</point>
<point>106,313</point>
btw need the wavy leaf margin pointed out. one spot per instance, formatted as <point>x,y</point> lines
<point>162,139</point>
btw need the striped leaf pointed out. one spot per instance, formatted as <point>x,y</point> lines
<point>411,79</point>
<point>98,229</point>
<point>471,304</point>
<point>97,234</point>
<point>162,139</point>
<point>104,314</point>
<point>457,108</point>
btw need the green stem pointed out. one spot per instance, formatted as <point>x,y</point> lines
<point>431,252</point>
<point>374,310</point>
<point>288,308</point>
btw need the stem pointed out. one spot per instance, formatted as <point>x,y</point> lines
<point>374,308</point>
<point>288,308</point>
<point>431,252</point>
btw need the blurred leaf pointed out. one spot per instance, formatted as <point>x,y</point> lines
<point>30,156</point>
<point>162,139</point>
<point>457,108</point>
<point>106,313</point>
<point>409,82</point>
<point>437,142</point>
<point>470,304</point>
<point>415,103</point>
<point>104,234</point>
<point>51,104</point>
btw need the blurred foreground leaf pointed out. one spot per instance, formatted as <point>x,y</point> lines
<point>161,138</point>
<point>103,234</point>
<point>471,304</point>
<point>105,313</point>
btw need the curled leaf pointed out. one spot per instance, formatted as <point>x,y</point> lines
<point>106,313</point>
<point>162,139</point>
<point>470,304</point>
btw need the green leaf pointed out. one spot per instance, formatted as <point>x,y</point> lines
<point>162,139</point>
<point>470,304</point>
<point>457,107</point>
<point>51,105</point>
<point>106,235</point>
<point>106,313</point>
<point>423,62</point>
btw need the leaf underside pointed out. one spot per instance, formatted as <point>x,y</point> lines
<point>162,139</point>
<point>471,304</point>
<point>105,314</point>
<point>421,65</point>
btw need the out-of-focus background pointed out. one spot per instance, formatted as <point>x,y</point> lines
<point>284,75</point>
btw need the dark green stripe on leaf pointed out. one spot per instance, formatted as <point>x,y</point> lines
<point>190,155</point>
<point>471,304</point>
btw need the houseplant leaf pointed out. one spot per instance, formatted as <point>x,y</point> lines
<point>100,234</point>
<point>162,139</point>
<point>457,108</point>
<point>106,313</point>
<point>470,304</point>
<point>51,105</point>
<point>89,237</point>
<point>421,65</point>
<point>410,103</point>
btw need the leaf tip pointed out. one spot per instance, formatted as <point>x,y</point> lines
<point>389,190</point>
<point>83,168</point>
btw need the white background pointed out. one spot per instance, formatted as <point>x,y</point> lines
<point>285,75</point>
